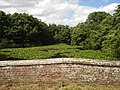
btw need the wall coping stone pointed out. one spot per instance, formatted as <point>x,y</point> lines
<point>90,62</point>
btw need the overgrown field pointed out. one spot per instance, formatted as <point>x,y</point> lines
<point>71,86</point>
<point>51,51</point>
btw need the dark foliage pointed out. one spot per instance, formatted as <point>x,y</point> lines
<point>101,31</point>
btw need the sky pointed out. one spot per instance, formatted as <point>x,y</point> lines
<point>66,12</point>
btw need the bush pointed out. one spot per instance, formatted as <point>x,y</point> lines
<point>5,43</point>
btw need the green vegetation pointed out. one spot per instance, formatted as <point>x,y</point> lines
<point>71,86</point>
<point>52,51</point>
<point>100,33</point>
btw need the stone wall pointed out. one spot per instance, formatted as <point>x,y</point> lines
<point>61,70</point>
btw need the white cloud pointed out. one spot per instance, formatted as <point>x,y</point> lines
<point>54,11</point>
<point>109,8</point>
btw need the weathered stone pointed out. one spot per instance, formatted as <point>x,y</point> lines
<point>61,70</point>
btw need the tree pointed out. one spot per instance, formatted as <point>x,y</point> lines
<point>60,33</point>
<point>46,36</point>
<point>97,17</point>
<point>5,25</point>
<point>79,35</point>
<point>95,37</point>
<point>25,31</point>
<point>111,44</point>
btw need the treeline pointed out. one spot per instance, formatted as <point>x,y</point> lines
<point>23,30</point>
<point>101,31</point>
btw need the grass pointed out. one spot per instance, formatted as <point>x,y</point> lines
<point>51,51</point>
<point>70,86</point>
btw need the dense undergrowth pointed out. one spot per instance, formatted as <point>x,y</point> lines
<point>52,51</point>
<point>100,32</point>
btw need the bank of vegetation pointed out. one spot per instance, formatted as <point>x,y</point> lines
<point>99,33</point>
<point>52,51</point>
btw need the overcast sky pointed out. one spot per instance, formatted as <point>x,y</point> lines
<point>67,12</point>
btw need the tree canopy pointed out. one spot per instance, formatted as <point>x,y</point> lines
<point>100,31</point>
